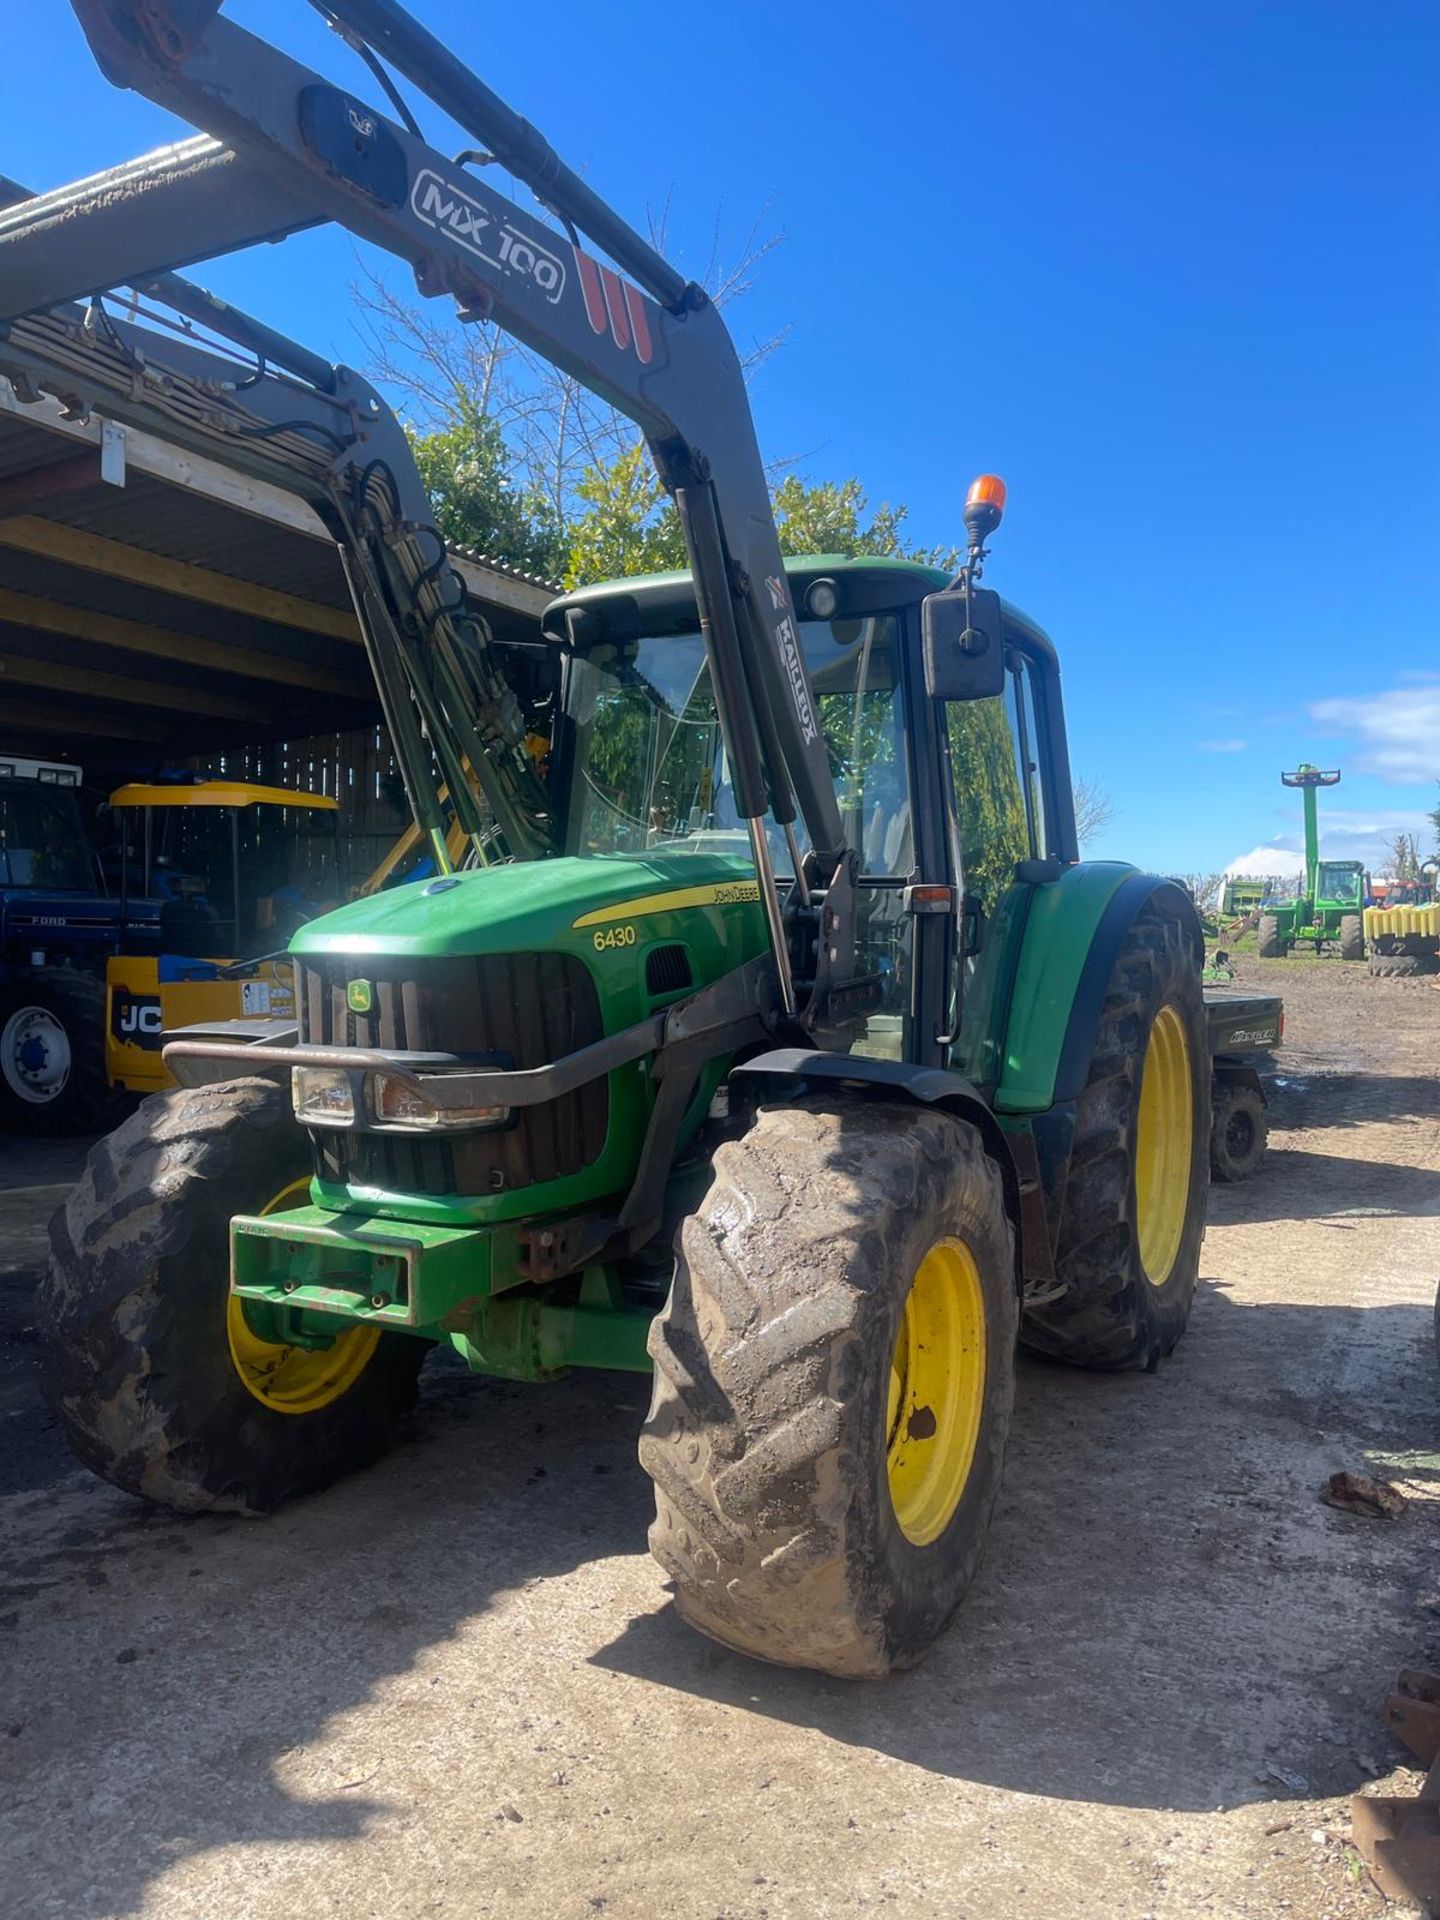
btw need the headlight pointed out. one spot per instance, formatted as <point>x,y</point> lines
<point>322,1096</point>
<point>326,1097</point>
<point>396,1103</point>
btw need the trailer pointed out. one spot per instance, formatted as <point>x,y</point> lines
<point>1245,1028</point>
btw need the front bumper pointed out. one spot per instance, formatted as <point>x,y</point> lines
<point>445,1082</point>
<point>307,1274</point>
<point>387,1273</point>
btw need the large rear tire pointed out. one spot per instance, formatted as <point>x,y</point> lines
<point>52,1057</point>
<point>834,1373</point>
<point>1267,938</point>
<point>1352,937</point>
<point>161,1383</point>
<point>1133,1214</point>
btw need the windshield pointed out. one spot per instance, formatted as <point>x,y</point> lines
<point>647,766</point>
<point>232,881</point>
<point>42,843</point>
<point>1339,881</point>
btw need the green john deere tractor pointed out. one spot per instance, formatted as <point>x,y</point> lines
<point>1328,907</point>
<point>775,1042</point>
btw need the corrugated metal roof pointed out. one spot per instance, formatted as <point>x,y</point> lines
<point>105,666</point>
<point>181,525</point>
<point>187,525</point>
<point>503,567</point>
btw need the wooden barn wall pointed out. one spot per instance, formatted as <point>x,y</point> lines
<point>358,769</point>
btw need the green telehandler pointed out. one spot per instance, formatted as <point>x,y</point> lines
<point>1328,907</point>
<point>775,1041</point>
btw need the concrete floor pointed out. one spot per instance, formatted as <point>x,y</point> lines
<point>455,1685</point>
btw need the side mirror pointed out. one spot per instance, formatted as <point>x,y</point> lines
<point>964,658</point>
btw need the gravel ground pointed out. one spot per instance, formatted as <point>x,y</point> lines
<point>455,1686</point>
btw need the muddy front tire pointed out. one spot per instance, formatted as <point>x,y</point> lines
<point>159,1388</point>
<point>834,1374</point>
<point>1267,938</point>
<point>1133,1214</point>
<point>1352,937</point>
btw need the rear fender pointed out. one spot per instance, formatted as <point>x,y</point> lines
<point>794,1070</point>
<point>1072,941</point>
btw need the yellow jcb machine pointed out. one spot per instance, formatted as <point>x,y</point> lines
<point>221,857</point>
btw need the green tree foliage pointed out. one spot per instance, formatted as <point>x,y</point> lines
<point>831,517</point>
<point>524,464</point>
<point>621,521</point>
<point>468,472</point>
<point>627,525</point>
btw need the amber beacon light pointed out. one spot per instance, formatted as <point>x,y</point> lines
<point>985,504</point>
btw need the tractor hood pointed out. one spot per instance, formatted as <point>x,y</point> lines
<point>532,906</point>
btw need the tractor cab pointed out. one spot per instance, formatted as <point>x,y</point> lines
<point>57,908</point>
<point>639,765</point>
<point>231,870</point>
<point>1340,883</point>
<point>43,843</point>
<point>1415,890</point>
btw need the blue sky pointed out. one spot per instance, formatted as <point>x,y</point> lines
<point>1172,272</point>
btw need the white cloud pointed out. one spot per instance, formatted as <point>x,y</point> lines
<point>1345,834</point>
<point>1222,746</point>
<point>1397,734</point>
<point>1362,822</point>
<point>1266,863</point>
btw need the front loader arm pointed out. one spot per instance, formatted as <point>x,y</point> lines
<point>314,430</point>
<point>666,361</point>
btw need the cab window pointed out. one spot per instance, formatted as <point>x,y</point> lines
<point>999,797</point>
<point>41,841</point>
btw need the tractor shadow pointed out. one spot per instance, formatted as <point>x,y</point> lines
<point>171,1686</point>
<point>35,1176</point>
<point>1166,1609</point>
<point>1293,1183</point>
<point>1300,1097</point>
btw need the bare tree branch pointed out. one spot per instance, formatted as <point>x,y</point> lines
<point>1094,810</point>
<point>554,428</point>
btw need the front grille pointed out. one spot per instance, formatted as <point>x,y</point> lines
<point>533,1006</point>
<point>667,970</point>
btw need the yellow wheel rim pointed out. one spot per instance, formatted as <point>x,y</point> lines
<point>937,1392</point>
<point>296,1379</point>
<point>1164,1142</point>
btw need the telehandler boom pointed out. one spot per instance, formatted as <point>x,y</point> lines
<point>790,959</point>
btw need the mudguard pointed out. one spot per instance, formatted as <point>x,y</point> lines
<point>1073,936</point>
<point>1229,1072</point>
<point>798,1069</point>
